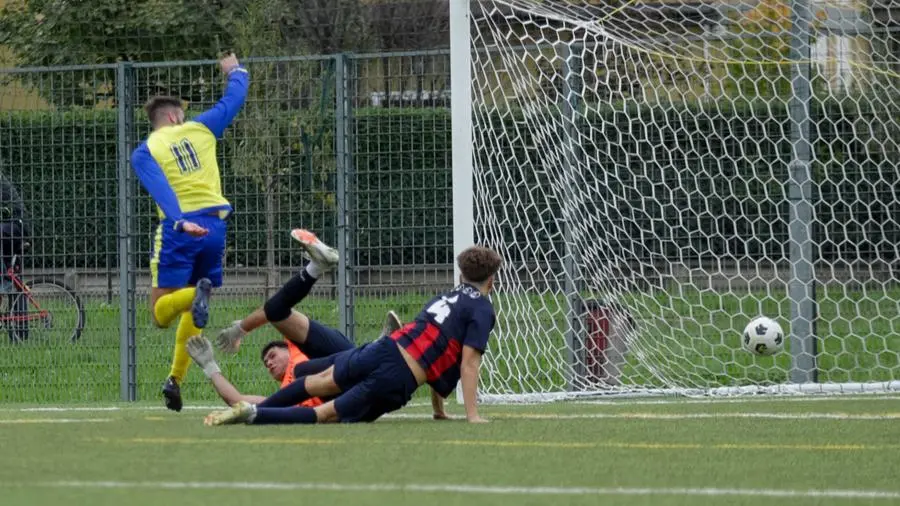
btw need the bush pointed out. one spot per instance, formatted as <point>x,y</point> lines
<point>695,171</point>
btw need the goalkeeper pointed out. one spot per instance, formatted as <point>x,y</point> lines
<point>442,346</point>
<point>305,338</point>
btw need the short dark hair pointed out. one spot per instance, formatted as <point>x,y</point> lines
<point>273,344</point>
<point>157,105</point>
<point>478,263</point>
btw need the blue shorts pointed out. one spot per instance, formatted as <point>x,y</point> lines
<point>374,380</point>
<point>178,260</point>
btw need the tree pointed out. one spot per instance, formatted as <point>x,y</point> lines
<point>278,137</point>
<point>762,62</point>
<point>324,26</point>
<point>70,32</point>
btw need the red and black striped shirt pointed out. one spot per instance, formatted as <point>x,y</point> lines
<point>461,317</point>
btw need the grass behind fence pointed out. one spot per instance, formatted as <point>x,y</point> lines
<point>694,340</point>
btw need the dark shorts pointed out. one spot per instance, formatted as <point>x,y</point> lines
<point>179,260</point>
<point>322,346</point>
<point>374,379</point>
<point>322,341</point>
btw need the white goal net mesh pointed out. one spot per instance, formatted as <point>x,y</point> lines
<point>656,174</point>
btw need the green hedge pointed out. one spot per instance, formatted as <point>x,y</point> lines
<point>696,172</point>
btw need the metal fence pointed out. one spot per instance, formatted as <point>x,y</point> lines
<point>356,147</point>
<point>324,143</point>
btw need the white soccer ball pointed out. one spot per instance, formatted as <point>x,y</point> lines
<point>763,336</point>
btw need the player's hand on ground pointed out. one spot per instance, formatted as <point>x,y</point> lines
<point>477,419</point>
<point>228,63</point>
<point>229,339</point>
<point>193,230</point>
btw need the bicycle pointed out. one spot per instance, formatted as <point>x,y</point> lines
<point>44,308</point>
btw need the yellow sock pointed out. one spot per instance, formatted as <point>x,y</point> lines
<point>180,359</point>
<point>171,305</point>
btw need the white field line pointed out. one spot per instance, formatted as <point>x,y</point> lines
<point>744,400</point>
<point>837,416</point>
<point>675,416</point>
<point>73,409</point>
<point>572,416</point>
<point>467,489</point>
<point>599,402</point>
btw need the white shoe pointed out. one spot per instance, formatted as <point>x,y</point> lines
<point>391,323</point>
<point>241,412</point>
<point>317,251</point>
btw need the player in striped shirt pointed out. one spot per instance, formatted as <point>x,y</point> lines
<point>304,337</point>
<point>442,346</point>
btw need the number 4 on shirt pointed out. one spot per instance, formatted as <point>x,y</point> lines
<point>441,308</point>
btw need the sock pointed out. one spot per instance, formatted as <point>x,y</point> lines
<point>314,269</point>
<point>265,416</point>
<point>279,305</point>
<point>293,394</point>
<point>313,366</point>
<point>181,360</point>
<point>171,305</point>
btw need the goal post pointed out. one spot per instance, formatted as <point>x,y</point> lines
<point>461,133</point>
<point>657,174</point>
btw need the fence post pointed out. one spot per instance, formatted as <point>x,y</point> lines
<point>801,287</point>
<point>575,335</point>
<point>344,168</point>
<point>125,124</point>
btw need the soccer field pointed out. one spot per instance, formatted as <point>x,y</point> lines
<point>746,451</point>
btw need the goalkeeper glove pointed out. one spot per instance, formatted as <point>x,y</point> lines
<point>229,340</point>
<point>200,349</point>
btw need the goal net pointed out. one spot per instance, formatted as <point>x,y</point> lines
<point>657,174</point>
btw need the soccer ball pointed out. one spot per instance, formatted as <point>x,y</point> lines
<point>763,336</point>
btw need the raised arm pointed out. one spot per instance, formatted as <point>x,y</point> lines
<point>200,349</point>
<point>229,393</point>
<point>220,116</point>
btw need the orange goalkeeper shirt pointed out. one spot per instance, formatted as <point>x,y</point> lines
<point>297,357</point>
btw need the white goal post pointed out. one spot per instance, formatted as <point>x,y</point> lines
<point>656,174</point>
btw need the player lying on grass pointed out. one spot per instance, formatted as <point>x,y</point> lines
<point>305,338</point>
<point>443,345</point>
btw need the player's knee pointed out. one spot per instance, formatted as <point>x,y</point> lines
<point>277,308</point>
<point>295,327</point>
<point>322,384</point>
<point>156,323</point>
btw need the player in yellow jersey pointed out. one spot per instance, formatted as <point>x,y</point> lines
<point>177,166</point>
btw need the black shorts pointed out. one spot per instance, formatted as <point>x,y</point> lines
<point>374,379</point>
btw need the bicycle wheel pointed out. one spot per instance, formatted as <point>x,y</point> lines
<point>49,312</point>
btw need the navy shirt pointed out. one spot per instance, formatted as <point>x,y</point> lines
<point>460,317</point>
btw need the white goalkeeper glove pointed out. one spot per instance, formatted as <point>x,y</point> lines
<point>200,349</point>
<point>229,339</point>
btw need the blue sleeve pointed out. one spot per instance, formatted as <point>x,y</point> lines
<point>154,181</point>
<point>220,116</point>
<point>479,328</point>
